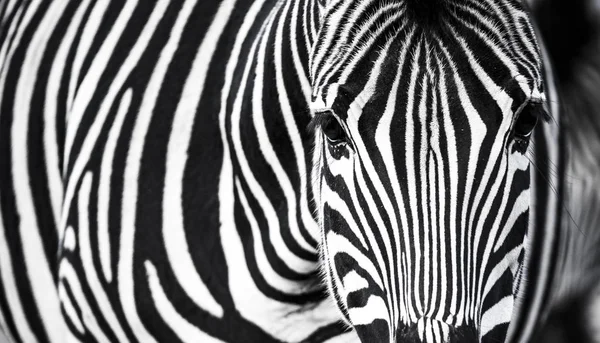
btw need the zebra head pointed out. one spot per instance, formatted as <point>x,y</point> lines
<point>423,113</point>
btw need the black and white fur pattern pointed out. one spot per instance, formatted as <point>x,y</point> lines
<point>158,181</point>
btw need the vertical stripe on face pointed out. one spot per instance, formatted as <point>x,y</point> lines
<point>428,192</point>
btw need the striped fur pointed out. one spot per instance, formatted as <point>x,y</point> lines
<point>158,182</point>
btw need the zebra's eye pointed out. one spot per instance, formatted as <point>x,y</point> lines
<point>326,122</point>
<point>333,130</point>
<point>526,121</point>
<point>528,118</point>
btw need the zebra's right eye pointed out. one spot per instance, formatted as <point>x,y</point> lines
<point>333,131</point>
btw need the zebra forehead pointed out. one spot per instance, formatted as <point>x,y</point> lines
<point>355,35</point>
<point>428,13</point>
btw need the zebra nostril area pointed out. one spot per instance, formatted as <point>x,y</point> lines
<point>429,330</point>
<point>433,330</point>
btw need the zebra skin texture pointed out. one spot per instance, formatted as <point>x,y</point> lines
<point>251,171</point>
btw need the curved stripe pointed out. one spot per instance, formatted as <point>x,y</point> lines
<point>90,81</point>
<point>264,143</point>
<point>288,114</point>
<point>36,263</point>
<point>337,204</point>
<point>82,49</point>
<point>339,244</point>
<point>373,310</point>
<point>70,311</point>
<point>126,287</point>
<point>87,262</point>
<point>294,262</point>
<point>187,332</point>
<point>353,282</point>
<point>174,235</point>
<point>51,141</point>
<point>264,265</point>
<point>498,314</point>
<point>11,291</point>
<point>104,186</point>
<point>69,242</point>
<point>67,274</point>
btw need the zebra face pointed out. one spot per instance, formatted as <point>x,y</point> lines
<point>423,117</point>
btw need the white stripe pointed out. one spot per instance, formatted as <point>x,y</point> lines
<point>353,282</point>
<point>9,8</point>
<point>36,264</point>
<point>422,296</point>
<point>518,162</point>
<point>385,17</point>
<point>288,116</point>
<point>373,310</point>
<point>266,147</point>
<point>337,204</point>
<point>479,131</point>
<point>550,207</point>
<point>505,103</point>
<point>55,182</point>
<point>89,84</point>
<point>411,205</point>
<point>11,291</point>
<point>67,274</point>
<point>294,262</point>
<point>104,186</point>
<point>89,270</point>
<point>70,311</point>
<point>186,332</point>
<point>129,200</point>
<point>272,277</point>
<point>249,300</point>
<point>339,244</point>
<point>520,206</point>
<point>88,87</point>
<point>9,46</point>
<point>5,335</point>
<point>354,114</point>
<point>383,139</point>
<point>88,35</point>
<point>283,321</point>
<point>508,261</point>
<point>318,55</point>
<point>298,65</point>
<point>348,337</point>
<point>498,314</point>
<point>69,242</point>
<point>344,169</point>
<point>174,234</point>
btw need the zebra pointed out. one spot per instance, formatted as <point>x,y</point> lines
<point>292,171</point>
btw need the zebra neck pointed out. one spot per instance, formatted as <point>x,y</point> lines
<point>267,148</point>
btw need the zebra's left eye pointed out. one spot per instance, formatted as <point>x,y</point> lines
<point>329,125</point>
<point>528,118</point>
<point>526,122</point>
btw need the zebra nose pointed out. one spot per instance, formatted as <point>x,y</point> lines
<point>432,330</point>
<point>428,330</point>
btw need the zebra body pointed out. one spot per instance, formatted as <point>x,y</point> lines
<point>158,181</point>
